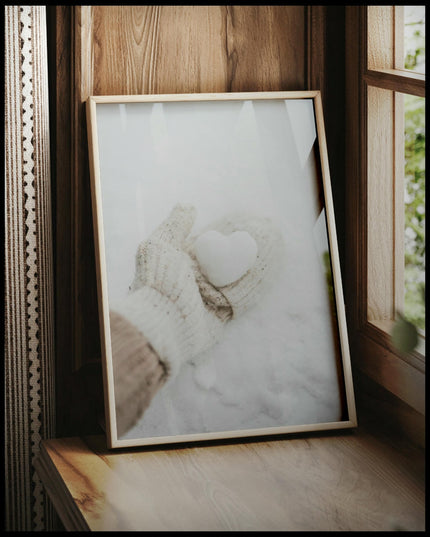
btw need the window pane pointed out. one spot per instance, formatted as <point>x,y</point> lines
<point>414,303</point>
<point>414,38</point>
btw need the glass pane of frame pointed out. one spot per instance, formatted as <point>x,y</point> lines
<point>221,303</point>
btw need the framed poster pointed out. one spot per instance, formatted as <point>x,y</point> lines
<point>220,295</point>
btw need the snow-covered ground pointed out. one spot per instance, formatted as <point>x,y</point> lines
<point>276,365</point>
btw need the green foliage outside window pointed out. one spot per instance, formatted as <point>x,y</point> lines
<point>414,306</point>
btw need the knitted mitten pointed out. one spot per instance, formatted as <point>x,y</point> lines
<point>164,302</point>
<point>174,304</point>
<point>237,297</point>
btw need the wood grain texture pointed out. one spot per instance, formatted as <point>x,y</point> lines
<point>381,412</point>
<point>317,49</point>
<point>193,49</point>
<point>332,83</point>
<point>341,483</point>
<point>395,374</point>
<point>401,81</point>
<point>380,205</point>
<point>381,39</point>
<point>58,26</point>
<point>355,163</point>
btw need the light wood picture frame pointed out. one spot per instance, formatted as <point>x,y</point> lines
<point>220,296</point>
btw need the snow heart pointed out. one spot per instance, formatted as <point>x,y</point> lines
<point>223,259</point>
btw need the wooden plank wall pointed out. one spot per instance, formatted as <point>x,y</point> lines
<point>106,50</point>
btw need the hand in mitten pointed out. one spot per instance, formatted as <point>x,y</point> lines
<point>235,258</point>
<point>174,303</point>
<point>164,302</point>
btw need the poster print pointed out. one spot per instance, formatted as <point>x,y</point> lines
<point>221,307</point>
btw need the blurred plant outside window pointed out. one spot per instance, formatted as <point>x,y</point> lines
<point>414,187</point>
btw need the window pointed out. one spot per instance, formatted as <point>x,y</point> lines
<point>385,59</point>
<point>395,167</point>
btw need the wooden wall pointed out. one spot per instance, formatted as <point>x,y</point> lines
<point>106,50</point>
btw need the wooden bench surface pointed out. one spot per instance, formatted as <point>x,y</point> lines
<point>348,481</point>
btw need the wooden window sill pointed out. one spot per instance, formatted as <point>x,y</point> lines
<point>415,358</point>
<point>349,481</point>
